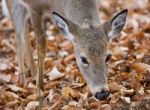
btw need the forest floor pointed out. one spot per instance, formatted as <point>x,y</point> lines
<point>64,87</point>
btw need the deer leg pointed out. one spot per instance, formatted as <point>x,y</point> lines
<point>31,63</point>
<point>19,20</point>
<point>41,48</point>
<point>20,52</point>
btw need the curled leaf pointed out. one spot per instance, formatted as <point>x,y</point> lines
<point>127,92</point>
<point>69,92</point>
<point>114,87</point>
<point>55,74</point>
<point>141,67</point>
<point>33,105</point>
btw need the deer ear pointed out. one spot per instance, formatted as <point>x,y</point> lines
<point>115,25</point>
<point>62,24</point>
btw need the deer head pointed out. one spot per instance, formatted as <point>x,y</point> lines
<point>90,47</point>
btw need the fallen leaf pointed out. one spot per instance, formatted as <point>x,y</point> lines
<point>16,88</point>
<point>115,97</point>
<point>95,104</point>
<point>114,87</point>
<point>126,92</point>
<point>141,67</point>
<point>105,107</point>
<point>112,65</point>
<point>50,95</point>
<point>140,90</point>
<point>63,53</point>
<point>48,63</point>
<point>12,103</point>
<point>69,59</point>
<point>67,45</point>
<point>55,74</point>
<point>32,97</point>
<point>69,92</point>
<point>12,95</point>
<point>5,77</point>
<point>55,104</point>
<point>5,65</point>
<point>126,99</point>
<point>69,107</point>
<point>33,105</point>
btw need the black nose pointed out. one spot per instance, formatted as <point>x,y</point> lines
<point>102,95</point>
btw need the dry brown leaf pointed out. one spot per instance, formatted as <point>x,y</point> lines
<point>33,105</point>
<point>12,95</point>
<point>126,92</point>
<point>114,87</point>
<point>30,85</point>
<point>73,105</point>
<point>126,99</point>
<point>16,88</point>
<point>63,53</point>
<point>69,59</point>
<point>113,65</point>
<point>67,45</point>
<point>48,63</point>
<point>69,107</point>
<point>52,84</point>
<point>55,104</point>
<point>32,97</point>
<point>50,95</point>
<point>119,50</point>
<point>84,96</point>
<point>55,74</point>
<point>141,67</point>
<point>77,85</point>
<point>12,103</point>
<point>140,90</point>
<point>95,104</point>
<point>69,92</point>
<point>5,65</point>
<point>115,97</point>
<point>5,77</point>
<point>148,91</point>
<point>9,45</point>
<point>105,107</point>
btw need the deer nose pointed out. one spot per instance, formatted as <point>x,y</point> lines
<point>102,95</point>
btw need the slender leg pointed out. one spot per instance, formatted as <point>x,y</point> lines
<point>41,48</point>
<point>31,63</point>
<point>20,47</point>
<point>19,20</point>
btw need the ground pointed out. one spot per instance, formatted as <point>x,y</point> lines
<point>129,67</point>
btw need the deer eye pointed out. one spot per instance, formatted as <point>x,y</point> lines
<point>107,58</point>
<point>85,62</point>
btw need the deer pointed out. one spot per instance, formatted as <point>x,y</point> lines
<point>79,22</point>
